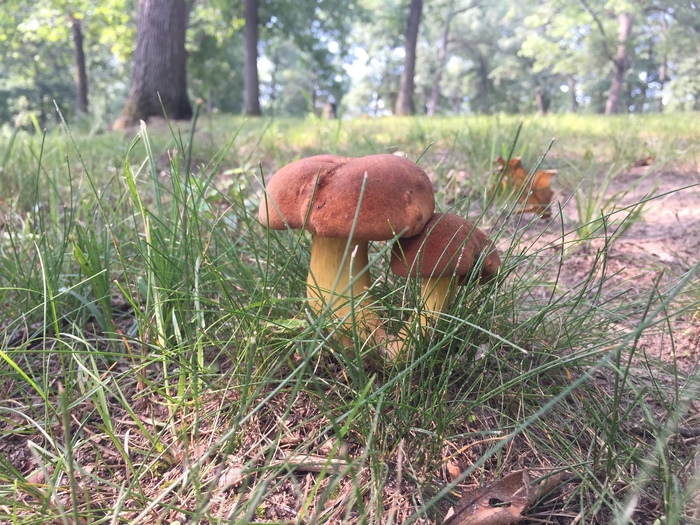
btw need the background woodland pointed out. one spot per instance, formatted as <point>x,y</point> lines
<point>365,57</point>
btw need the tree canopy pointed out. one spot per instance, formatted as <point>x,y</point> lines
<point>470,56</point>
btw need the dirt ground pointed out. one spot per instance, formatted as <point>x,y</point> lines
<point>656,250</point>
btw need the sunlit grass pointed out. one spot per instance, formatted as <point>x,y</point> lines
<point>159,363</point>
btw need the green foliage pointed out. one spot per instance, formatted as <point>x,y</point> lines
<point>36,63</point>
<point>550,55</point>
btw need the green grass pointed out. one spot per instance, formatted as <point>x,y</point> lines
<point>158,364</point>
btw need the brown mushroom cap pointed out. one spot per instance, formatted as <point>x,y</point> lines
<point>398,197</point>
<point>448,245</point>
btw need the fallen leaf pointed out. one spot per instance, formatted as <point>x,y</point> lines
<point>454,468</point>
<point>503,501</point>
<point>535,193</point>
<point>646,161</point>
<point>232,476</point>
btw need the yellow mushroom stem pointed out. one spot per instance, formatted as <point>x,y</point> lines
<point>335,277</point>
<point>436,295</point>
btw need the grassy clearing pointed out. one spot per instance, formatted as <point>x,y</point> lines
<point>159,366</point>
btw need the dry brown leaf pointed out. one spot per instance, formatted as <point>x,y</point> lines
<point>231,477</point>
<point>535,193</point>
<point>454,468</point>
<point>503,501</point>
<point>646,161</point>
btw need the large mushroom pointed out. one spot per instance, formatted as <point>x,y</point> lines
<point>443,255</point>
<point>345,203</point>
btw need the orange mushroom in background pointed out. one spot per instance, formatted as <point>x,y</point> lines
<point>535,193</point>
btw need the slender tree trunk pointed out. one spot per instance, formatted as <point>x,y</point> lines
<point>442,57</point>
<point>160,64</point>
<point>483,85</point>
<point>542,100</point>
<point>662,81</point>
<point>621,65</point>
<point>314,96</point>
<point>273,84</point>
<point>252,83</point>
<point>571,81</point>
<point>442,61</point>
<point>81,81</point>
<point>404,102</point>
<point>662,68</point>
<point>41,95</point>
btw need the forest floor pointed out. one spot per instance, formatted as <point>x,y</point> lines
<point>653,252</point>
<point>140,443</point>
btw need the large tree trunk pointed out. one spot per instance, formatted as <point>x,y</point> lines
<point>404,102</point>
<point>621,65</point>
<point>251,92</point>
<point>81,82</point>
<point>160,64</point>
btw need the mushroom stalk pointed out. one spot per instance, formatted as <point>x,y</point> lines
<point>334,278</point>
<point>436,295</point>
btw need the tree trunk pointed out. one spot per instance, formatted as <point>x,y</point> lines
<point>542,100</point>
<point>571,81</point>
<point>81,82</point>
<point>273,84</point>
<point>621,65</point>
<point>442,61</point>
<point>404,102</point>
<point>160,64</point>
<point>483,85</point>
<point>442,58</point>
<point>252,83</point>
<point>662,68</point>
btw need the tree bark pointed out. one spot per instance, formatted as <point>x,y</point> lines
<point>81,82</point>
<point>442,58</point>
<point>621,64</point>
<point>404,102</point>
<point>542,100</point>
<point>160,64</point>
<point>251,93</point>
<point>571,81</point>
<point>442,61</point>
<point>483,85</point>
<point>662,68</point>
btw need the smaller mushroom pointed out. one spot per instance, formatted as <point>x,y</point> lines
<point>444,254</point>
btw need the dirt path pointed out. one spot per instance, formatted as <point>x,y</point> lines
<point>659,248</point>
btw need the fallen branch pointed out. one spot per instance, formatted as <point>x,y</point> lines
<point>310,463</point>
